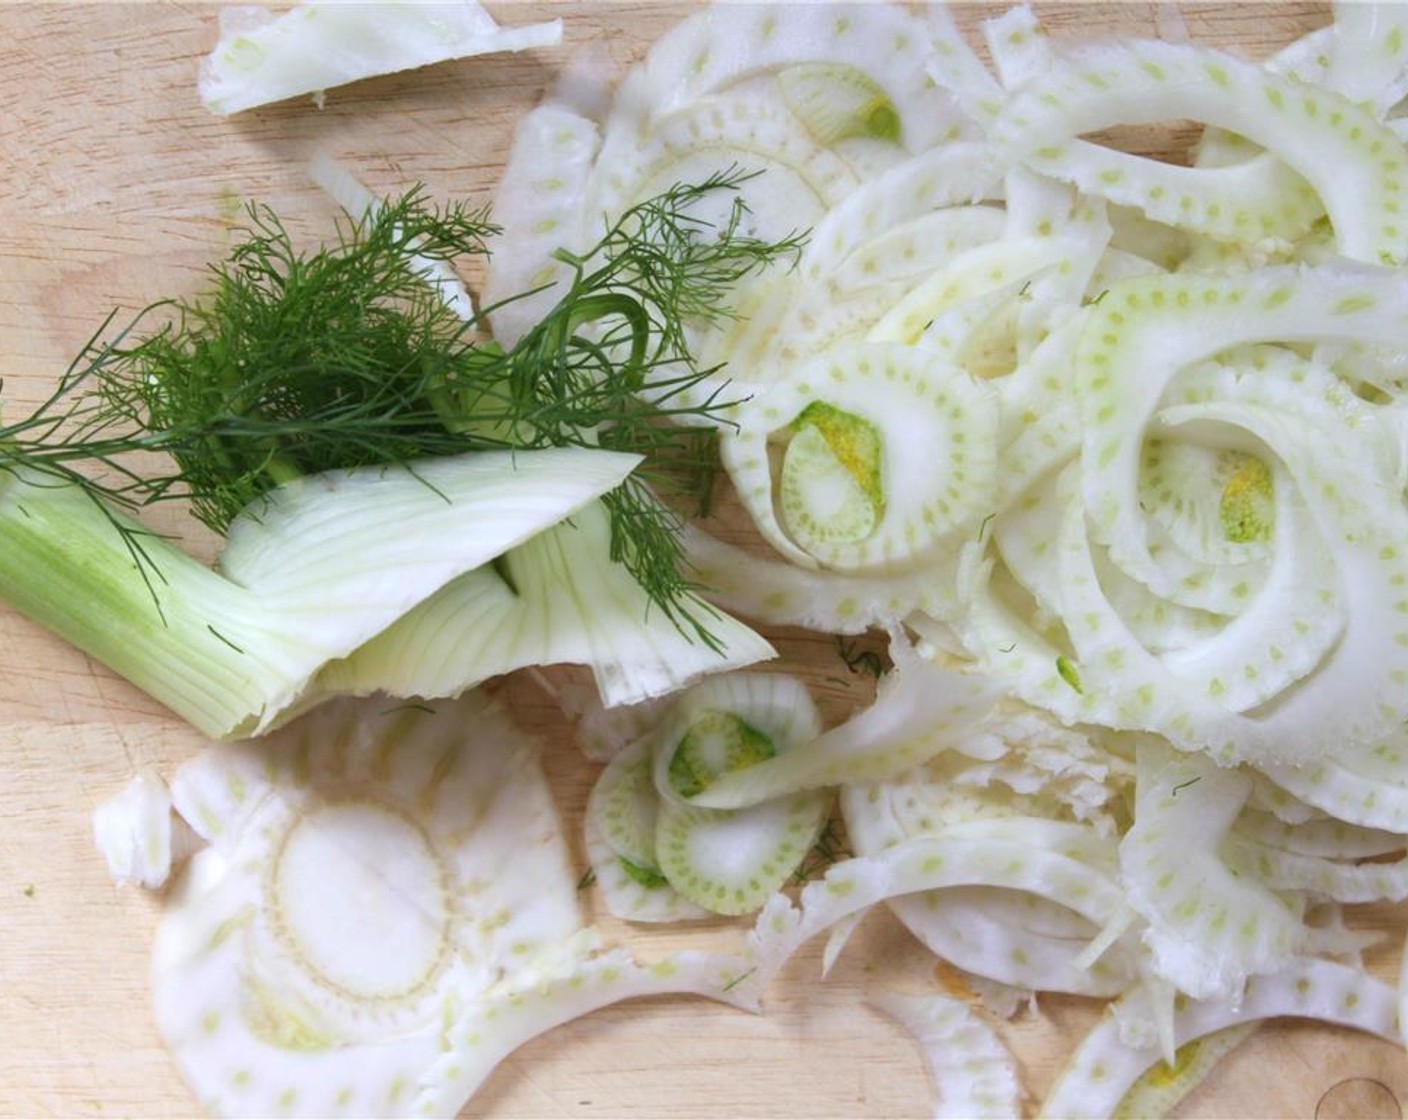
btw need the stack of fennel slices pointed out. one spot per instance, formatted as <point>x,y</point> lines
<point>1114,451</point>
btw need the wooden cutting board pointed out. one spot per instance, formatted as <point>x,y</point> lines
<point>116,189</point>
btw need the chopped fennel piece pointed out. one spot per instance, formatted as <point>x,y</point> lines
<point>263,57</point>
<point>1162,1086</point>
<point>1018,46</point>
<point>738,129</point>
<point>1367,59</point>
<point>1352,160</point>
<point>1359,786</point>
<point>725,44</point>
<point>974,1075</point>
<point>999,268</point>
<point>730,860</point>
<point>1210,926</point>
<point>485,1033</point>
<point>955,66</point>
<point>1345,881</point>
<point>539,205</point>
<point>927,864</point>
<point>357,199</point>
<point>1318,835</point>
<point>353,902</point>
<point>133,831</point>
<point>929,182</point>
<point>1104,1067</point>
<point>837,101</point>
<point>1025,780</point>
<point>853,419</point>
<point>558,597</point>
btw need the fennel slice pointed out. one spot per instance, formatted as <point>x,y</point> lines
<point>1104,1067</point>
<point>973,1073</point>
<point>838,102</point>
<point>619,834</point>
<point>263,58</point>
<point>730,861</point>
<point>857,504</point>
<point>1210,927</point>
<point>484,1034</point>
<point>310,967</point>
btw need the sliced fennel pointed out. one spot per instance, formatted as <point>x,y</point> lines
<point>482,1036</point>
<point>1173,459</point>
<point>729,861</point>
<point>920,709</point>
<point>659,855</point>
<point>352,903</point>
<point>1210,926</point>
<point>1350,158</point>
<point>850,422</point>
<point>264,57</point>
<point>619,836</point>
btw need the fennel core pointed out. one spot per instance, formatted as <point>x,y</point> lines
<point>298,363</point>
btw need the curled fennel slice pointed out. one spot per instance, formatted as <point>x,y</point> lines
<point>779,593</point>
<point>935,863</point>
<point>729,861</point>
<point>1353,161</point>
<point>309,962</point>
<point>619,835</point>
<point>1105,1067</point>
<point>852,422</point>
<point>1210,926</point>
<point>727,44</point>
<point>920,709</point>
<point>539,205</point>
<point>133,831</point>
<point>263,57</point>
<point>1328,452</point>
<point>483,1035</point>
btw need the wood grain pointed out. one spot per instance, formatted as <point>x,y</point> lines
<point>116,190</point>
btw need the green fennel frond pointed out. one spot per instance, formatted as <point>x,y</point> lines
<point>295,363</point>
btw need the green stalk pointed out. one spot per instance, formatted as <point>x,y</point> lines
<point>139,604</point>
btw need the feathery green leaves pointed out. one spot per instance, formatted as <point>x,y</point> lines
<point>347,356</point>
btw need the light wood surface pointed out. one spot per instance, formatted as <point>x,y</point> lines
<point>116,189</point>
